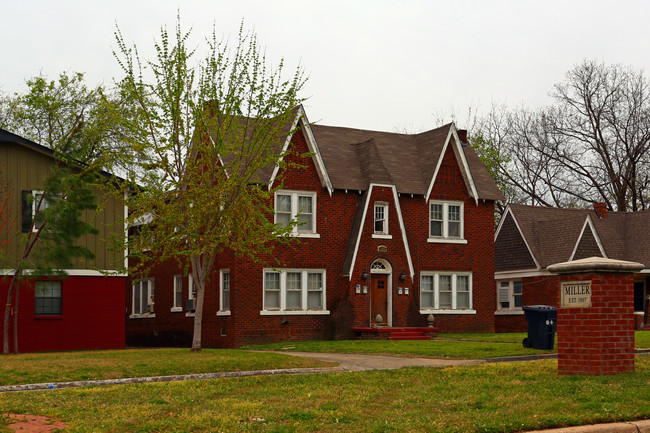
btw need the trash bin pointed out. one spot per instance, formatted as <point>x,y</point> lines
<point>541,326</point>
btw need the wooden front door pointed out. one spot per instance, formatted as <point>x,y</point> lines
<point>379,298</point>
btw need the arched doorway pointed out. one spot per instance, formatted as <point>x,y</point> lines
<point>381,292</point>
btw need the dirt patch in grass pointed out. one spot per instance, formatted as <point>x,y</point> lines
<point>34,424</point>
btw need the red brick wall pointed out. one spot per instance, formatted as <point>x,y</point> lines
<point>335,214</point>
<point>598,340</point>
<point>92,316</point>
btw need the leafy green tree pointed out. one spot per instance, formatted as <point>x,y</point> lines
<point>67,115</point>
<point>204,130</point>
<point>49,244</point>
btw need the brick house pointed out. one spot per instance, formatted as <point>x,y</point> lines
<point>531,238</point>
<point>85,310</point>
<point>395,225</point>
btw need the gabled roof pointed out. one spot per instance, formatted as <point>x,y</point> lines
<point>553,234</point>
<point>354,158</point>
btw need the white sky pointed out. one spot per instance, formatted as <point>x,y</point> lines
<point>371,64</point>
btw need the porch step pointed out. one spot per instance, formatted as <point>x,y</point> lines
<point>398,333</point>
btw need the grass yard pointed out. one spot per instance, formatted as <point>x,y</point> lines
<point>506,397</point>
<point>465,346</point>
<point>112,364</point>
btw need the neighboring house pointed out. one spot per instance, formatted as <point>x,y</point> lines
<point>85,310</point>
<point>395,225</point>
<point>530,238</point>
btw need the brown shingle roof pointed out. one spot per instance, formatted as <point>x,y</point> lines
<point>552,233</point>
<point>354,158</point>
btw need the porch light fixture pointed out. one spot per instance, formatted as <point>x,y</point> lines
<point>364,276</point>
<point>403,276</point>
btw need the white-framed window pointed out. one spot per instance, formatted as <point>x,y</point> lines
<point>143,298</point>
<point>39,203</point>
<point>297,206</point>
<point>509,295</point>
<point>381,218</point>
<point>47,298</point>
<point>190,304</point>
<point>224,292</point>
<point>294,291</point>
<point>449,292</point>
<point>178,293</point>
<point>446,221</point>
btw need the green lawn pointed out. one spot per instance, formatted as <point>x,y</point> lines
<point>112,364</point>
<point>505,398</point>
<point>466,346</point>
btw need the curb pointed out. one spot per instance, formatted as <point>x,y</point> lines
<point>619,427</point>
<point>174,378</point>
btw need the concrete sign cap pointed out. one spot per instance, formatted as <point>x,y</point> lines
<point>595,264</point>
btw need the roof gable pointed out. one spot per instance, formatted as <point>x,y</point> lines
<point>588,244</point>
<point>510,246</point>
<point>355,158</point>
<point>357,230</point>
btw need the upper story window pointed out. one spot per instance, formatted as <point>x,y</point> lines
<point>297,206</point>
<point>446,291</point>
<point>446,222</point>
<point>510,295</point>
<point>294,291</point>
<point>47,298</point>
<point>143,298</point>
<point>40,203</point>
<point>178,293</point>
<point>224,291</point>
<point>381,218</point>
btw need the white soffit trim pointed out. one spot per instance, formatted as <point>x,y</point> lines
<point>588,222</point>
<point>403,229</point>
<point>285,146</point>
<point>525,240</point>
<point>503,218</point>
<point>358,241</point>
<point>313,148</point>
<point>460,157</point>
<point>524,273</point>
<point>74,273</point>
<point>301,117</point>
<point>401,226</point>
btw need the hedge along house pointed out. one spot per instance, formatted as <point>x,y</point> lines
<point>531,238</point>
<point>395,225</point>
<point>85,310</point>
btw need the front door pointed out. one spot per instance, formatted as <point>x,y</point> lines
<point>379,298</point>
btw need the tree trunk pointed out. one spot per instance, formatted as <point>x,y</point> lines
<point>5,334</point>
<point>16,318</point>
<point>199,283</point>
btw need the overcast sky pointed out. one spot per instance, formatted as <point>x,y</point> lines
<point>371,64</point>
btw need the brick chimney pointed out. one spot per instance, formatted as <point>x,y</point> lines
<point>601,210</point>
<point>462,135</point>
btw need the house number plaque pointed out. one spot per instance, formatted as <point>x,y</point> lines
<point>575,294</point>
<point>382,248</point>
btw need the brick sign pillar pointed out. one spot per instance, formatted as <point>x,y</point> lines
<point>595,318</point>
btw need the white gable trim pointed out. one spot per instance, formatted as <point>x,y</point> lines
<point>358,241</point>
<point>588,223</point>
<point>523,273</point>
<point>398,209</point>
<point>301,117</point>
<point>407,250</point>
<point>509,211</point>
<point>452,137</point>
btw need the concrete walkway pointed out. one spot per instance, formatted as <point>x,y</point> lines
<point>357,362</point>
